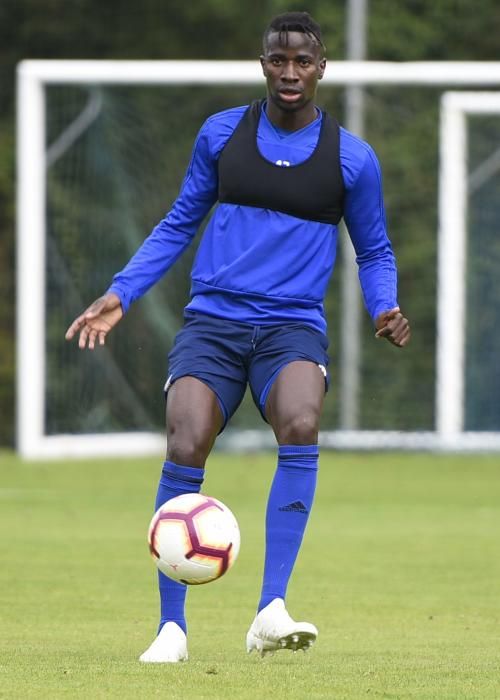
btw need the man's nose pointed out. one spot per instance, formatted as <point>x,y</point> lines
<point>289,72</point>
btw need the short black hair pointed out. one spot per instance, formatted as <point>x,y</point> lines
<point>294,22</point>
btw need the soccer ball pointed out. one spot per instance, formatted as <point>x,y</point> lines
<point>194,538</point>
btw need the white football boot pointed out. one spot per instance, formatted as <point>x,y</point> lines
<point>273,629</point>
<point>170,646</point>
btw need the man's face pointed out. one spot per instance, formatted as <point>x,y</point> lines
<point>292,69</point>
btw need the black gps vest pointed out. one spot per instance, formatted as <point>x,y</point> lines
<point>312,190</point>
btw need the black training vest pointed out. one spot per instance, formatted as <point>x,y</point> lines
<point>312,190</point>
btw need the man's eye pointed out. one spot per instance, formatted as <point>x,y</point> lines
<point>275,61</point>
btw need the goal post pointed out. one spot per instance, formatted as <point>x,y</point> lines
<point>34,76</point>
<point>456,107</point>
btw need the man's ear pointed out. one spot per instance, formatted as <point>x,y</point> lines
<point>263,65</point>
<point>322,67</point>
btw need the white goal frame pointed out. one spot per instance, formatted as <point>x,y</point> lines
<point>452,252</point>
<point>34,75</point>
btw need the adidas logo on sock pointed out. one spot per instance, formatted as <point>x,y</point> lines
<point>295,507</point>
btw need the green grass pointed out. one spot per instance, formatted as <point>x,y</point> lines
<point>400,571</point>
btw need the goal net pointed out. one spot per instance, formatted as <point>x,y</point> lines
<point>103,147</point>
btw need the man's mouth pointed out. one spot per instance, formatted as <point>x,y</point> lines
<point>290,94</point>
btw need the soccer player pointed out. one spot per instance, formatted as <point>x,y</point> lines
<point>283,174</point>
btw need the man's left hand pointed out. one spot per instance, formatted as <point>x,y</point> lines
<point>393,326</point>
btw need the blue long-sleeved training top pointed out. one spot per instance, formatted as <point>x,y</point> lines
<point>261,266</point>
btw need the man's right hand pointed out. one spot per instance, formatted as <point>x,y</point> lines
<point>96,321</point>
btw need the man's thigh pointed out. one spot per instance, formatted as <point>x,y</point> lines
<point>294,404</point>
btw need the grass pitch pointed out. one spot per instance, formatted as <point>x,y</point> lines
<point>400,571</point>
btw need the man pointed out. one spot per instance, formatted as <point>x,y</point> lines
<point>283,174</point>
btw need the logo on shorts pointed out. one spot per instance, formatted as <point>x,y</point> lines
<point>322,370</point>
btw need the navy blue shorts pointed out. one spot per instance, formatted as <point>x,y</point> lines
<point>228,355</point>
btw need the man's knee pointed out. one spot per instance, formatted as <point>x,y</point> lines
<point>188,448</point>
<point>299,429</point>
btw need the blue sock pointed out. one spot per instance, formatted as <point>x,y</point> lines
<point>175,480</point>
<point>290,500</point>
